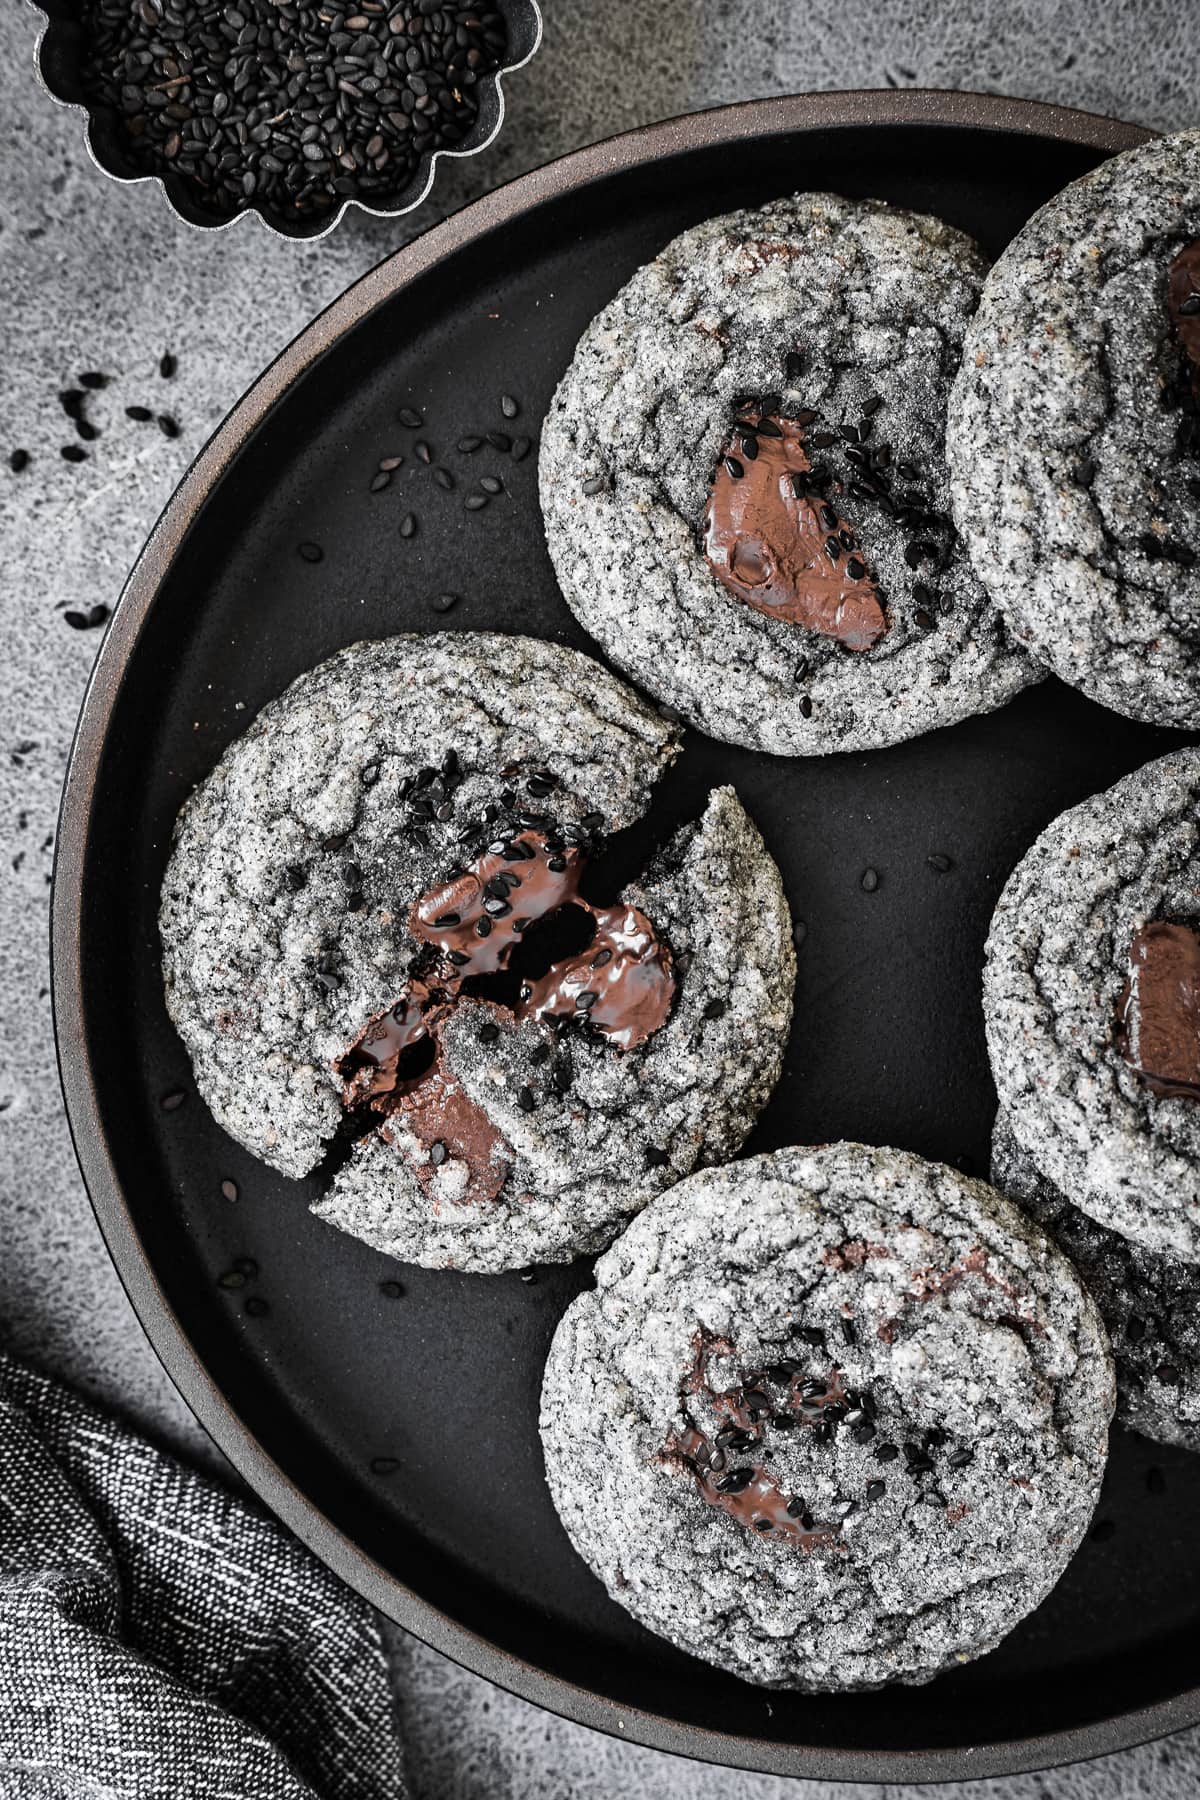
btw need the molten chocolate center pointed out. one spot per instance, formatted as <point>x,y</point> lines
<point>783,550</point>
<point>727,1461</point>
<point>1183,307</point>
<point>621,985</point>
<point>1158,1014</point>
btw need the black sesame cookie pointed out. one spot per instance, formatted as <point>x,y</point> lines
<point>830,1418</point>
<point>744,487</point>
<point>1073,433</point>
<point>380,932</point>
<point>1150,1304</point>
<point>1091,995</point>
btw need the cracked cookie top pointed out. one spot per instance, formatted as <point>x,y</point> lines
<point>1074,1020</point>
<point>1150,1303</point>
<point>1074,433</point>
<point>380,949</point>
<point>831,1418</point>
<point>744,486</point>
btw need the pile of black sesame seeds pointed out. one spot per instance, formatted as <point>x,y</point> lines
<point>289,105</point>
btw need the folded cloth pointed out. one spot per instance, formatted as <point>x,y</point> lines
<point>160,1636</point>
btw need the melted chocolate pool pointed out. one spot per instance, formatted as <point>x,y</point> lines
<point>621,985</point>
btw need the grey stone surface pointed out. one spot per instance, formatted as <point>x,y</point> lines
<point>98,275</point>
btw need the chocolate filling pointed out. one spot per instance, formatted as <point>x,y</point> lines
<point>1183,308</point>
<point>495,932</point>
<point>727,1461</point>
<point>782,549</point>
<point>1158,1013</point>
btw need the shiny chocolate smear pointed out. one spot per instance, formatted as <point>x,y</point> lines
<point>1158,1013</point>
<point>780,548</point>
<point>1183,307</point>
<point>727,1463</point>
<point>622,985</point>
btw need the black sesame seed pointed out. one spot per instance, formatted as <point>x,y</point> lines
<point>410,417</point>
<point>310,552</point>
<point>509,406</point>
<point>716,1009</point>
<point>491,484</point>
<point>475,502</point>
<point>584,1002</point>
<point>655,1158</point>
<point>939,862</point>
<point>73,453</point>
<point>733,467</point>
<point>488,1033</point>
<point>380,480</point>
<point>442,603</point>
<point>856,569</point>
<point>408,525</point>
<point>521,448</point>
<point>18,460</point>
<point>886,1453</point>
<point>869,880</point>
<point>1189,307</point>
<point>87,621</point>
<point>391,1290</point>
<point>500,440</point>
<point>806,707</point>
<point>168,426</point>
<point>958,1459</point>
<point>922,620</point>
<point>735,1482</point>
<point>141,414</point>
<point>525,1099</point>
<point>167,365</point>
<point>172,1101</point>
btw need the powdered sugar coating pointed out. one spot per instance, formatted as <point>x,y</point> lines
<point>1056,962</point>
<point>875,301</point>
<point>935,1296</point>
<point>1062,453</point>
<point>1150,1304</point>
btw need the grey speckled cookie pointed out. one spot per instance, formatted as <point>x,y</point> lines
<point>885,1361</point>
<point>287,930</point>
<point>1057,965</point>
<point>1150,1304</point>
<point>830,311</point>
<point>1072,436</point>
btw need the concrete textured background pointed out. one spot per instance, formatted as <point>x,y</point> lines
<point>96,275</point>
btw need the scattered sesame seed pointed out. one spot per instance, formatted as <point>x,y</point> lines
<point>509,406</point>
<point>869,880</point>
<point>310,552</point>
<point>229,1189</point>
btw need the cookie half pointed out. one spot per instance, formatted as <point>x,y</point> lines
<point>1091,995</point>
<point>831,1418</point>
<point>1150,1304</point>
<point>744,486</point>
<point>380,932</point>
<point>1073,433</point>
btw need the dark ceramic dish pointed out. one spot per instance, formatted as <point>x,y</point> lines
<point>460,1542</point>
<point>60,53</point>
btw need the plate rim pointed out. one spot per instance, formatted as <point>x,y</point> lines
<point>779,115</point>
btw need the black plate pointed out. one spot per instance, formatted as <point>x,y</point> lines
<point>461,1543</point>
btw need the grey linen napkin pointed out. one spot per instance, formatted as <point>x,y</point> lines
<point>161,1637</point>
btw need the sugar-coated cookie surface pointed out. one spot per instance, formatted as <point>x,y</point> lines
<point>846,317</point>
<point>1056,978</point>
<point>1073,433</point>
<point>1150,1304</point>
<point>885,1362</point>
<point>288,928</point>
